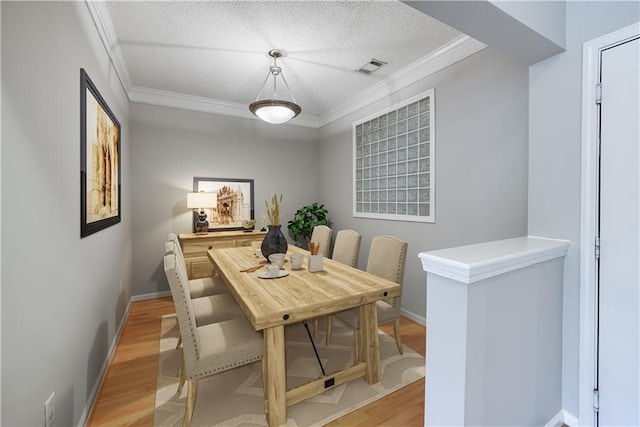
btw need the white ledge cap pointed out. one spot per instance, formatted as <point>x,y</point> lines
<point>471,263</point>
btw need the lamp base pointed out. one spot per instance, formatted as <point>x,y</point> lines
<point>202,225</point>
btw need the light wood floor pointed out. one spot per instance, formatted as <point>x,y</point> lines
<point>127,395</point>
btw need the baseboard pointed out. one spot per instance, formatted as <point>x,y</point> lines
<point>152,295</point>
<point>570,419</point>
<point>84,418</point>
<point>413,316</point>
<point>563,417</point>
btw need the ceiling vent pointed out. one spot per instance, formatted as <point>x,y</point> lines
<point>371,66</point>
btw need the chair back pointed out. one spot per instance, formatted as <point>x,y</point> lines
<point>171,247</point>
<point>178,283</point>
<point>387,257</point>
<point>322,234</point>
<point>347,247</point>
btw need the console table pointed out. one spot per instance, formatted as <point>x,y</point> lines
<point>195,247</point>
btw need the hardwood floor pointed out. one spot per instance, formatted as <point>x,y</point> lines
<point>127,395</point>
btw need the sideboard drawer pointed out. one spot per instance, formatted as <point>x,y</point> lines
<point>195,247</point>
<point>200,268</point>
<point>200,248</point>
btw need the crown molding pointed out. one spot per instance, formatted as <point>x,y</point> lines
<point>162,98</point>
<point>104,26</point>
<point>459,49</point>
<point>453,52</point>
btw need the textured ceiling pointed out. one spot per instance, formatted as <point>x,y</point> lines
<point>218,50</point>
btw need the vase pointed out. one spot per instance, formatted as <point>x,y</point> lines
<point>274,242</point>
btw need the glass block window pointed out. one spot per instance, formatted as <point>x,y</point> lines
<point>393,160</point>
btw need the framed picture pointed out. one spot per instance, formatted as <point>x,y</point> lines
<point>99,161</point>
<point>234,202</point>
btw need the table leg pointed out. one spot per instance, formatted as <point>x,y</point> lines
<point>276,387</point>
<point>370,346</point>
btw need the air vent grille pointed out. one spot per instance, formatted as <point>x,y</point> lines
<point>372,66</point>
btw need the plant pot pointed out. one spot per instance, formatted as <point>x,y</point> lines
<point>274,242</point>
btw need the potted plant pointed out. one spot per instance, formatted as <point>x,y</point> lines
<point>306,218</point>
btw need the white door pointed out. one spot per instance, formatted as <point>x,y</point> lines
<point>618,329</point>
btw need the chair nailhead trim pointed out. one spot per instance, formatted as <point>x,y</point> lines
<point>227,367</point>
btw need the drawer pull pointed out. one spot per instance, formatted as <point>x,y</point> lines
<point>210,247</point>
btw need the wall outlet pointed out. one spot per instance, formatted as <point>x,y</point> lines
<point>49,410</point>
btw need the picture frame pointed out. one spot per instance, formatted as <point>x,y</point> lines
<point>235,200</point>
<point>100,194</point>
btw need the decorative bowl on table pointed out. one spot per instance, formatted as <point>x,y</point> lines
<point>248,224</point>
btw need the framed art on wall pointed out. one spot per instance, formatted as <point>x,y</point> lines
<point>99,161</point>
<point>234,202</point>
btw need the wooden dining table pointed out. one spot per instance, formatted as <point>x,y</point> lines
<point>271,304</point>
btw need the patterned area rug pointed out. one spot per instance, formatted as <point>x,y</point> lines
<point>235,398</point>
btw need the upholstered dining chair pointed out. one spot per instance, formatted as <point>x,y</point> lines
<point>322,234</point>
<point>208,349</point>
<point>207,309</point>
<point>197,287</point>
<point>387,257</point>
<point>346,249</point>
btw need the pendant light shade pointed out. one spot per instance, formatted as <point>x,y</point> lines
<point>275,111</point>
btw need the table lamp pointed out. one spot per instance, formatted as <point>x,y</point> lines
<point>200,201</point>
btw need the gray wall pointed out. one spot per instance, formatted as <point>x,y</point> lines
<point>172,146</point>
<point>63,296</point>
<point>555,89</point>
<point>481,108</point>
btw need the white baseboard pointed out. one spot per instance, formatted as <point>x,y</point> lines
<point>570,419</point>
<point>84,418</point>
<point>413,316</point>
<point>152,295</point>
<point>563,417</point>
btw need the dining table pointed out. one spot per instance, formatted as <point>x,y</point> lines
<point>295,296</point>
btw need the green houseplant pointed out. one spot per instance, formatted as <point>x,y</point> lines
<point>306,218</point>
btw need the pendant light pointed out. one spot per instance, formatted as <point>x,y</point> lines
<point>275,111</point>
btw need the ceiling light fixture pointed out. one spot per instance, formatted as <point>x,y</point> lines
<point>275,110</point>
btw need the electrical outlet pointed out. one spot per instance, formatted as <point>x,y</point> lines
<point>49,410</point>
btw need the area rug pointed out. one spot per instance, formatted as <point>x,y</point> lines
<point>235,398</point>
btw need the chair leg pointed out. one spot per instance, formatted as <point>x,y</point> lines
<point>329,330</point>
<point>396,333</point>
<point>192,388</point>
<point>181,374</point>
<point>315,327</point>
<point>179,340</point>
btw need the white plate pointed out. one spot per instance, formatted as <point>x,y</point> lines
<point>265,275</point>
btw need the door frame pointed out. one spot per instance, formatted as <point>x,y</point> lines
<point>588,213</point>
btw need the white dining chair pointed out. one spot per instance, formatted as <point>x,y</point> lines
<point>207,309</point>
<point>321,234</point>
<point>345,250</point>
<point>197,287</point>
<point>387,257</point>
<point>212,348</point>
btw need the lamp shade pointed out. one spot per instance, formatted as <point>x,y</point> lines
<point>275,111</point>
<point>201,200</point>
